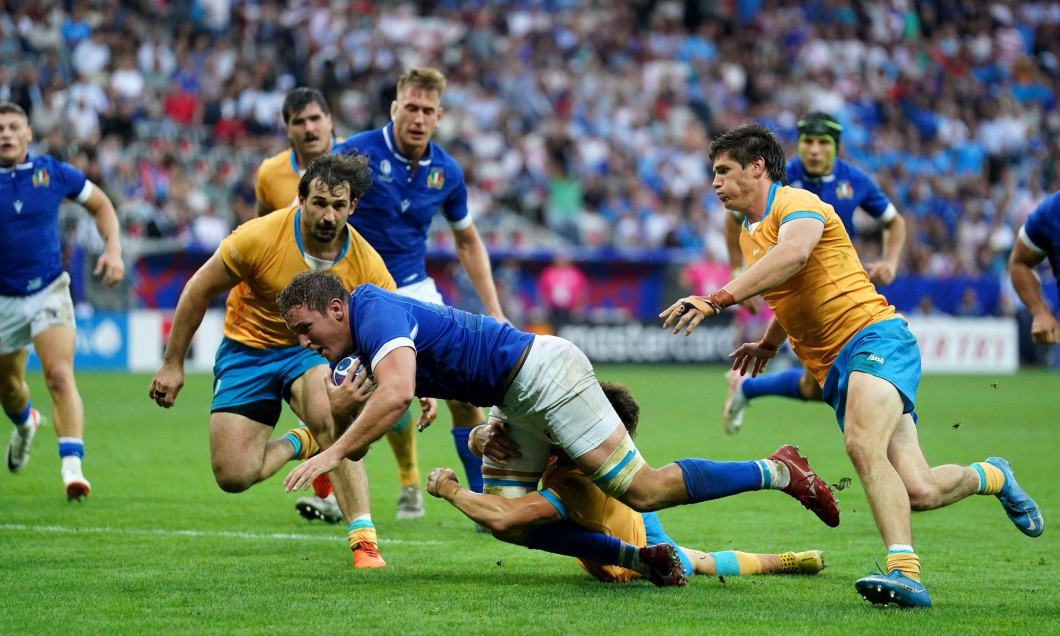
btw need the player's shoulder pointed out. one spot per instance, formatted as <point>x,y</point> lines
<point>266,227</point>
<point>850,172</point>
<point>274,163</point>
<point>791,198</point>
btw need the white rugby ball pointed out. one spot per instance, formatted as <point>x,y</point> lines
<point>342,369</point>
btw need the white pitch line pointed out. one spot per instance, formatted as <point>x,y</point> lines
<point>199,533</point>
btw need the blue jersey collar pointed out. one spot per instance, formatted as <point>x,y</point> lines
<point>25,165</point>
<point>298,237</point>
<point>391,145</point>
<point>769,205</point>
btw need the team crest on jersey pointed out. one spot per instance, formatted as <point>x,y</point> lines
<point>41,178</point>
<point>384,166</point>
<point>436,179</point>
<point>844,190</point>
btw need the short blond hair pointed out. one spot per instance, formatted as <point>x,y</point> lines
<point>422,77</point>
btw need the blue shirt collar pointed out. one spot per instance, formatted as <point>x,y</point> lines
<point>391,145</point>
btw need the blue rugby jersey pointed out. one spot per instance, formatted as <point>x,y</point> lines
<point>1042,230</point>
<point>459,355</point>
<point>396,211</point>
<point>30,194</point>
<point>846,189</point>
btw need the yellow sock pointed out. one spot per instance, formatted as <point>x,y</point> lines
<point>403,445</point>
<point>991,479</point>
<point>306,444</point>
<point>907,562</point>
<point>749,563</point>
<point>361,533</point>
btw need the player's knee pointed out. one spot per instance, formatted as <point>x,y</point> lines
<point>59,379</point>
<point>230,480</point>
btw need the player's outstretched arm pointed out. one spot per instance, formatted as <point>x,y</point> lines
<point>883,272</point>
<point>212,279</point>
<point>499,514</point>
<point>109,264</point>
<point>471,252</point>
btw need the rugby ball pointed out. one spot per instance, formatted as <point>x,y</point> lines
<point>342,369</point>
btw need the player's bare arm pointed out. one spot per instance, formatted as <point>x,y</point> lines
<point>109,264</point>
<point>499,514</point>
<point>471,252</point>
<point>395,377</point>
<point>1028,285</point>
<point>211,280</point>
<point>795,242</point>
<point>883,272</point>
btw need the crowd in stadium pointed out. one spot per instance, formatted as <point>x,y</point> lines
<point>591,118</point>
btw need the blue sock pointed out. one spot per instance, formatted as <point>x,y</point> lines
<point>706,479</point>
<point>18,418</point>
<point>783,383</point>
<point>71,447</point>
<point>570,539</point>
<point>472,464</point>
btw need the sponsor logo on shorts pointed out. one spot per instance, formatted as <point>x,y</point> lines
<point>875,358</point>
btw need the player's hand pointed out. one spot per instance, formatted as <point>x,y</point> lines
<point>687,313</point>
<point>348,398</point>
<point>428,413</point>
<point>492,442</point>
<point>167,383</point>
<point>441,478</point>
<point>1044,328</point>
<point>111,266</point>
<point>302,475</point>
<point>880,273</point>
<point>755,354</point>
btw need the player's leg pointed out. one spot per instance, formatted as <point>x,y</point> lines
<point>14,398</point>
<point>402,440</point>
<point>871,420</point>
<point>465,418</point>
<point>308,398</point>
<point>934,487</point>
<point>795,383</point>
<point>736,563</point>
<point>55,348</point>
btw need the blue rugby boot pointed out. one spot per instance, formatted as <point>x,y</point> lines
<point>893,587</point>
<point>1019,507</point>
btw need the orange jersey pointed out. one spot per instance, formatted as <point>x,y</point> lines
<point>266,253</point>
<point>590,508</point>
<point>831,298</point>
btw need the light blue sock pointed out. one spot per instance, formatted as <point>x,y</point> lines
<point>783,383</point>
<point>706,479</point>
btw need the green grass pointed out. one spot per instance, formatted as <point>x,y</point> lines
<point>158,548</point>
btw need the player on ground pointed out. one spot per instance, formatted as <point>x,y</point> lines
<point>568,494</point>
<point>857,346</point>
<point>414,179</point>
<point>543,387</point>
<point>35,303</point>
<point>259,363</point>
<point>310,129</point>
<point>1039,238</point>
<point>846,188</point>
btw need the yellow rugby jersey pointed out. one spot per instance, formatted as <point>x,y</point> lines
<point>590,508</point>
<point>830,299</point>
<point>266,253</point>
<point>278,177</point>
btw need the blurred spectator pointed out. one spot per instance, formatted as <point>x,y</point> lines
<point>563,290</point>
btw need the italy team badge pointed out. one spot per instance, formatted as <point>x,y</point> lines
<point>436,179</point>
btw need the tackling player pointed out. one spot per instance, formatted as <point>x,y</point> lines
<point>845,187</point>
<point>259,364</point>
<point>567,494</point>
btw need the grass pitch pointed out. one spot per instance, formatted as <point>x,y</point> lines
<point>159,548</point>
